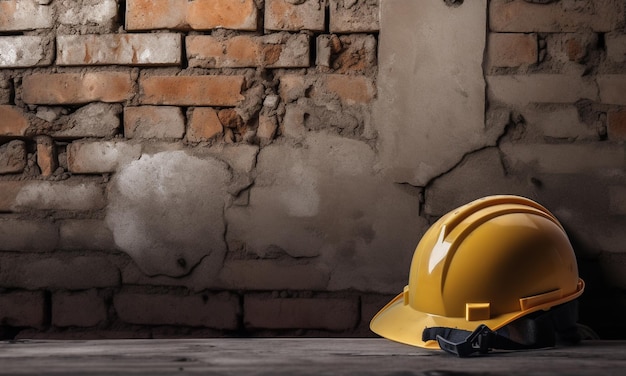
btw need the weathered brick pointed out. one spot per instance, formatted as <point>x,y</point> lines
<point>350,89</point>
<point>559,123</point>
<point>13,121</point>
<point>154,122</point>
<point>204,310</point>
<point>86,12</point>
<point>120,49</point>
<point>22,308</point>
<point>294,16</point>
<point>191,90</point>
<point>612,88</point>
<point>280,50</point>
<point>85,234</point>
<point>46,155</point>
<point>540,88</point>
<point>203,125</point>
<point>96,157</point>
<point>196,15</point>
<point>562,16</point>
<point>93,120</point>
<point>266,312</point>
<point>268,125</point>
<point>12,157</point>
<point>272,275</point>
<point>512,49</point>
<point>26,235</point>
<point>346,53</point>
<point>616,125</point>
<point>24,51</point>
<point>292,87</point>
<point>61,272</point>
<point>354,16</point>
<point>47,195</point>
<point>83,308</point>
<point>567,47</point>
<point>76,88</point>
<point>565,158</point>
<point>17,15</point>
<point>615,46</point>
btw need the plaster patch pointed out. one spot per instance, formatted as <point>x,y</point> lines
<point>167,211</point>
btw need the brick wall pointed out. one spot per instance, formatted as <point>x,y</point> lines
<point>213,167</point>
<point>86,87</point>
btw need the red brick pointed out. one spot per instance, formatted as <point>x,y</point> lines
<point>192,90</point>
<point>272,51</point>
<point>203,125</point>
<point>294,16</point>
<point>197,15</point>
<point>266,312</point>
<point>616,126</point>
<point>204,310</point>
<point>228,14</point>
<point>18,15</point>
<point>22,309</point>
<point>512,49</point>
<point>521,16</point>
<point>154,122</point>
<point>83,308</point>
<point>119,49</point>
<point>13,121</point>
<point>24,196</point>
<point>46,155</point>
<point>76,88</point>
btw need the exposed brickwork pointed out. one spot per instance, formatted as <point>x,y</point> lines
<point>191,90</point>
<point>196,15</point>
<point>153,122</point>
<point>119,49</point>
<point>512,49</point>
<point>216,167</point>
<point>272,51</point>
<point>24,51</point>
<point>18,15</point>
<point>554,17</point>
<point>294,16</point>
<point>76,88</point>
<point>13,121</point>
<point>203,125</point>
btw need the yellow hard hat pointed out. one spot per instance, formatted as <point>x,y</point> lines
<point>485,264</point>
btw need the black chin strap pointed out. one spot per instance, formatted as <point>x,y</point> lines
<point>539,330</point>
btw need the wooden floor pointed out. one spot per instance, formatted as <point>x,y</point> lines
<point>295,357</point>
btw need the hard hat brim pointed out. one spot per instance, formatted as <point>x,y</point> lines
<point>399,322</point>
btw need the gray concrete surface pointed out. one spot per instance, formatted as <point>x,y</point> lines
<point>312,356</point>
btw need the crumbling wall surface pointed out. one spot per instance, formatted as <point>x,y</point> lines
<point>553,130</point>
<point>266,167</point>
<point>201,167</point>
